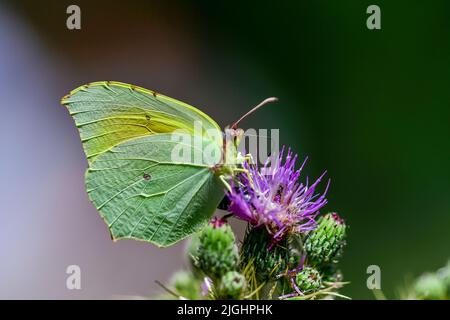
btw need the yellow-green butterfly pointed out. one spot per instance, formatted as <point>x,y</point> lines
<point>133,180</point>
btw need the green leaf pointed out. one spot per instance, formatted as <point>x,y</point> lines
<point>143,194</point>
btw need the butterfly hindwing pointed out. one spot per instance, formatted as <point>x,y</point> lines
<point>141,193</point>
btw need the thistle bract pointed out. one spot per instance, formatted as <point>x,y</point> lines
<point>325,243</point>
<point>217,251</point>
<point>308,279</point>
<point>267,260</point>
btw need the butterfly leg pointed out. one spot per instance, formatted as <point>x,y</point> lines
<point>225,182</point>
<point>248,158</point>
<point>246,172</point>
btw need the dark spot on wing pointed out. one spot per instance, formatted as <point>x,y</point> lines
<point>148,117</point>
<point>146,176</point>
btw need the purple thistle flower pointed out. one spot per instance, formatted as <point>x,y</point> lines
<point>274,198</point>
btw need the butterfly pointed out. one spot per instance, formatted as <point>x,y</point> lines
<point>141,190</point>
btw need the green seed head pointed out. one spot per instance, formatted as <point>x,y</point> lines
<point>324,244</point>
<point>308,279</point>
<point>217,252</point>
<point>232,285</point>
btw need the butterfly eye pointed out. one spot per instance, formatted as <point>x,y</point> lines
<point>146,176</point>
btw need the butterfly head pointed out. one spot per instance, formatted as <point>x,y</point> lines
<point>235,136</point>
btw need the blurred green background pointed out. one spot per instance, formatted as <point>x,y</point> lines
<point>370,106</point>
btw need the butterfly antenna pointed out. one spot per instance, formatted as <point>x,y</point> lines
<point>263,103</point>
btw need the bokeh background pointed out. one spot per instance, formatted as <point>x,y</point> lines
<point>371,107</point>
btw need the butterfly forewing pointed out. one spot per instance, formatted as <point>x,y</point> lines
<point>108,113</point>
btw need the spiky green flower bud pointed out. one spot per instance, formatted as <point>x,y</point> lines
<point>186,285</point>
<point>324,244</point>
<point>268,261</point>
<point>232,285</point>
<point>430,287</point>
<point>308,279</point>
<point>217,251</point>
